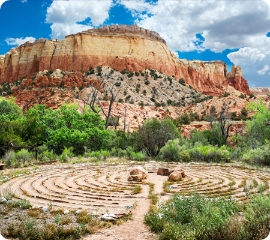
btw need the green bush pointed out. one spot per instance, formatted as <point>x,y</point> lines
<point>66,154</point>
<point>171,151</point>
<point>259,155</point>
<point>23,155</point>
<point>154,134</point>
<point>9,157</point>
<point>194,217</point>
<point>46,155</point>
<point>257,218</point>
<point>198,137</point>
<point>209,153</point>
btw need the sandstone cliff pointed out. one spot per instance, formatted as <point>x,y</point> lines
<point>119,47</point>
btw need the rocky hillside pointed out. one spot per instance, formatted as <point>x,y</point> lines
<point>260,91</point>
<point>143,88</point>
<point>118,47</point>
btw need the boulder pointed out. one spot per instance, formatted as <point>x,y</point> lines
<point>137,174</point>
<point>179,170</point>
<point>163,171</point>
<point>175,176</point>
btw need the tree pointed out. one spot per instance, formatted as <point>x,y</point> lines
<point>9,108</point>
<point>65,127</point>
<point>258,129</point>
<point>11,122</point>
<point>219,132</point>
<point>93,97</point>
<point>154,134</point>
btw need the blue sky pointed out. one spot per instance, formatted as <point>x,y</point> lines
<point>234,31</point>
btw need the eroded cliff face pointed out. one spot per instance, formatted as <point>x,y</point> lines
<point>119,47</point>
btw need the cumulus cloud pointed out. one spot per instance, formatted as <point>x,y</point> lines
<point>67,16</point>
<point>60,30</point>
<point>264,70</point>
<point>19,41</point>
<point>223,24</point>
<point>214,25</point>
<point>254,61</point>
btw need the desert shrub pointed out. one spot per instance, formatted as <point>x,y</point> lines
<point>256,224</point>
<point>194,217</point>
<point>23,155</point>
<point>198,137</point>
<point>138,156</point>
<point>47,155</point>
<point>9,157</point>
<point>171,151</point>
<point>182,81</point>
<point>154,134</point>
<point>182,119</point>
<point>184,156</point>
<point>257,128</point>
<point>259,155</point>
<point>22,203</point>
<point>66,154</point>
<point>209,153</point>
<point>242,95</point>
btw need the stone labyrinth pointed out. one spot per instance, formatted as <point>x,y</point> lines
<point>104,188</point>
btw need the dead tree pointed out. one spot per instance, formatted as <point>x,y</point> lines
<point>93,99</point>
<point>223,122</point>
<point>112,99</point>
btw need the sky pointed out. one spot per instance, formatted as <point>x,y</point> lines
<point>236,32</point>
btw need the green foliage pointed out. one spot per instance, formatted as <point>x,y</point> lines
<point>66,154</point>
<point>199,137</point>
<point>9,157</point>
<point>209,153</point>
<point>23,155</point>
<point>173,152</point>
<point>154,134</point>
<point>193,218</point>
<point>257,218</point>
<point>216,137</point>
<point>257,129</point>
<point>44,154</point>
<point>9,108</point>
<point>242,95</point>
<point>182,119</point>
<point>182,81</point>
<point>259,155</point>
<point>65,127</point>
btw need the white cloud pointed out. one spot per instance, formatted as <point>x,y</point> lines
<point>19,41</point>
<point>264,70</point>
<point>24,1</point>
<point>66,16</point>
<point>254,61</point>
<point>223,24</point>
<point>60,30</point>
<point>239,24</point>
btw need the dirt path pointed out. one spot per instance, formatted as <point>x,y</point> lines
<point>133,229</point>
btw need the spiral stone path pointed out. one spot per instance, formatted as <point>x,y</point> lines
<point>104,188</point>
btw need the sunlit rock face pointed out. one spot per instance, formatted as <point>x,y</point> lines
<point>120,47</point>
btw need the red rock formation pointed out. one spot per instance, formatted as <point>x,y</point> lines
<point>119,47</point>
<point>235,79</point>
